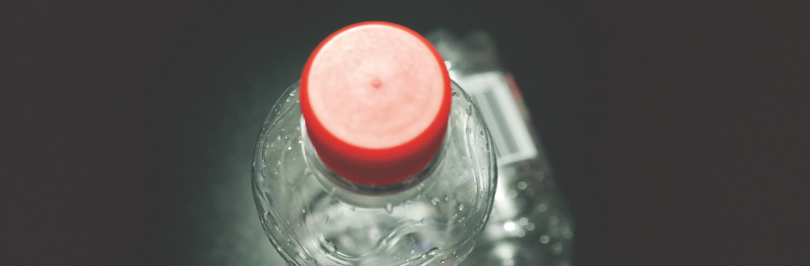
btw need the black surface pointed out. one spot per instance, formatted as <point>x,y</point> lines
<point>678,131</point>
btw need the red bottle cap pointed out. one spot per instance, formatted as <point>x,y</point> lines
<point>376,100</point>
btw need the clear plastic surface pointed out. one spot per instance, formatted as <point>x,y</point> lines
<point>315,217</point>
<point>530,223</point>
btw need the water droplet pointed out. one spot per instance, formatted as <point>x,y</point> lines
<point>289,147</point>
<point>553,220</point>
<point>521,185</point>
<point>352,208</point>
<point>461,207</point>
<point>544,239</point>
<point>446,198</point>
<point>432,251</point>
<point>441,261</point>
<point>539,176</point>
<point>415,256</point>
<point>303,211</point>
<point>434,201</point>
<point>542,207</point>
<point>508,226</point>
<point>389,208</point>
<point>557,247</point>
<point>523,221</point>
<point>512,193</point>
<point>568,234</point>
<point>530,226</point>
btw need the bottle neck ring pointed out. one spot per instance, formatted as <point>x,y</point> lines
<point>372,196</point>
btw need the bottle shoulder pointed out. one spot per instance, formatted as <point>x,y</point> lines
<point>305,212</point>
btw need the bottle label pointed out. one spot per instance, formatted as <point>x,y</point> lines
<point>491,93</point>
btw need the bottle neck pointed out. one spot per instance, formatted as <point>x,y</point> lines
<point>371,196</point>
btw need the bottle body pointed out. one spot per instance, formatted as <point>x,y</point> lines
<point>530,223</point>
<point>315,217</point>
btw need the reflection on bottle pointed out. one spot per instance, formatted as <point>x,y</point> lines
<point>530,222</point>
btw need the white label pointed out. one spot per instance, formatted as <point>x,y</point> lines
<point>491,94</point>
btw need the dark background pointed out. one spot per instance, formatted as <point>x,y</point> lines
<point>678,131</point>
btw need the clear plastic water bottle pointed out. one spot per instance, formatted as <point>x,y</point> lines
<point>530,222</point>
<point>375,157</point>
